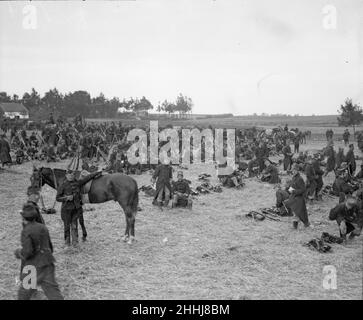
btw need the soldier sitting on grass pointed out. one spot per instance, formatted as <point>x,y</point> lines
<point>349,217</point>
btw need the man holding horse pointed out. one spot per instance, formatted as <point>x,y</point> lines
<point>69,193</point>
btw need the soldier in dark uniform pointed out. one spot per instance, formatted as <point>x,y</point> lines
<point>69,193</point>
<point>346,136</point>
<point>349,217</point>
<point>181,191</point>
<point>318,177</point>
<point>310,179</point>
<point>5,157</point>
<point>287,161</point>
<point>162,176</point>
<point>296,200</point>
<point>270,173</point>
<point>37,251</point>
<point>350,160</point>
<point>282,195</point>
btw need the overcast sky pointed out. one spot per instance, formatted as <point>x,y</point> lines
<point>241,56</point>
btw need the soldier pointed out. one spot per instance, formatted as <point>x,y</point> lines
<point>340,158</point>
<point>346,136</point>
<point>297,143</point>
<point>318,176</point>
<point>33,199</point>
<point>162,176</point>
<point>349,218</point>
<point>37,251</point>
<point>330,165</point>
<point>350,160</point>
<point>296,200</point>
<point>282,194</point>
<point>271,173</point>
<point>5,157</point>
<point>310,179</point>
<point>69,193</point>
<point>341,187</point>
<point>181,191</point>
<point>286,150</point>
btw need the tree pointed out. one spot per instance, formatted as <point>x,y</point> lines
<point>350,114</point>
<point>52,100</point>
<point>142,105</point>
<point>159,108</point>
<point>31,100</point>
<point>183,104</point>
<point>168,107</point>
<point>4,97</point>
<point>77,102</point>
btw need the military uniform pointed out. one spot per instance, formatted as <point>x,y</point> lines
<point>72,209</point>
<point>37,251</point>
<point>181,192</point>
<point>349,219</point>
<point>163,174</point>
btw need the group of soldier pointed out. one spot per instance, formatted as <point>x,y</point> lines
<point>62,140</point>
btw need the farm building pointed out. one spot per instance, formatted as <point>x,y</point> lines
<point>12,110</point>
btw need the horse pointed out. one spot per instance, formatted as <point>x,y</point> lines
<point>116,186</point>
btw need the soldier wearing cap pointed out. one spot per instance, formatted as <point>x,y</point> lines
<point>181,190</point>
<point>162,176</point>
<point>296,200</point>
<point>37,250</point>
<point>33,199</point>
<point>310,178</point>
<point>69,193</point>
<point>350,159</point>
<point>349,217</point>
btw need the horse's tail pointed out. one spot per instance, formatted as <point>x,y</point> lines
<point>135,200</point>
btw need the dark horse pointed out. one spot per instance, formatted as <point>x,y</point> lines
<point>116,186</point>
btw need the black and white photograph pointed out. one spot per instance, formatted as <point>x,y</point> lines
<point>207,150</point>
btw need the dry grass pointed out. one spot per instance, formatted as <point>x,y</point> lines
<point>212,252</point>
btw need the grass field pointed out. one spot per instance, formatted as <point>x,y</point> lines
<point>211,252</point>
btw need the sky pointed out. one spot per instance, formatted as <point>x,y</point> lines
<point>240,57</point>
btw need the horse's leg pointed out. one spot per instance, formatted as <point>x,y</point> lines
<point>81,222</point>
<point>127,229</point>
<point>132,226</point>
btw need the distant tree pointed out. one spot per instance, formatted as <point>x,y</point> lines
<point>159,108</point>
<point>4,97</point>
<point>31,100</point>
<point>350,115</point>
<point>168,107</point>
<point>183,104</point>
<point>77,102</point>
<point>142,105</point>
<point>52,100</point>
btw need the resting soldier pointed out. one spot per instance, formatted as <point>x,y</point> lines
<point>282,194</point>
<point>270,173</point>
<point>37,251</point>
<point>181,191</point>
<point>349,217</point>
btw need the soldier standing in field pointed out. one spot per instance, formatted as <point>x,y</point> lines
<point>69,193</point>
<point>37,251</point>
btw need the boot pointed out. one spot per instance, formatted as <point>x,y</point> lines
<point>295,224</point>
<point>166,203</point>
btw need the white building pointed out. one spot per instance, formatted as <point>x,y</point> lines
<point>13,110</point>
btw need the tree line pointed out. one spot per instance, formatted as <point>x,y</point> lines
<point>81,102</point>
